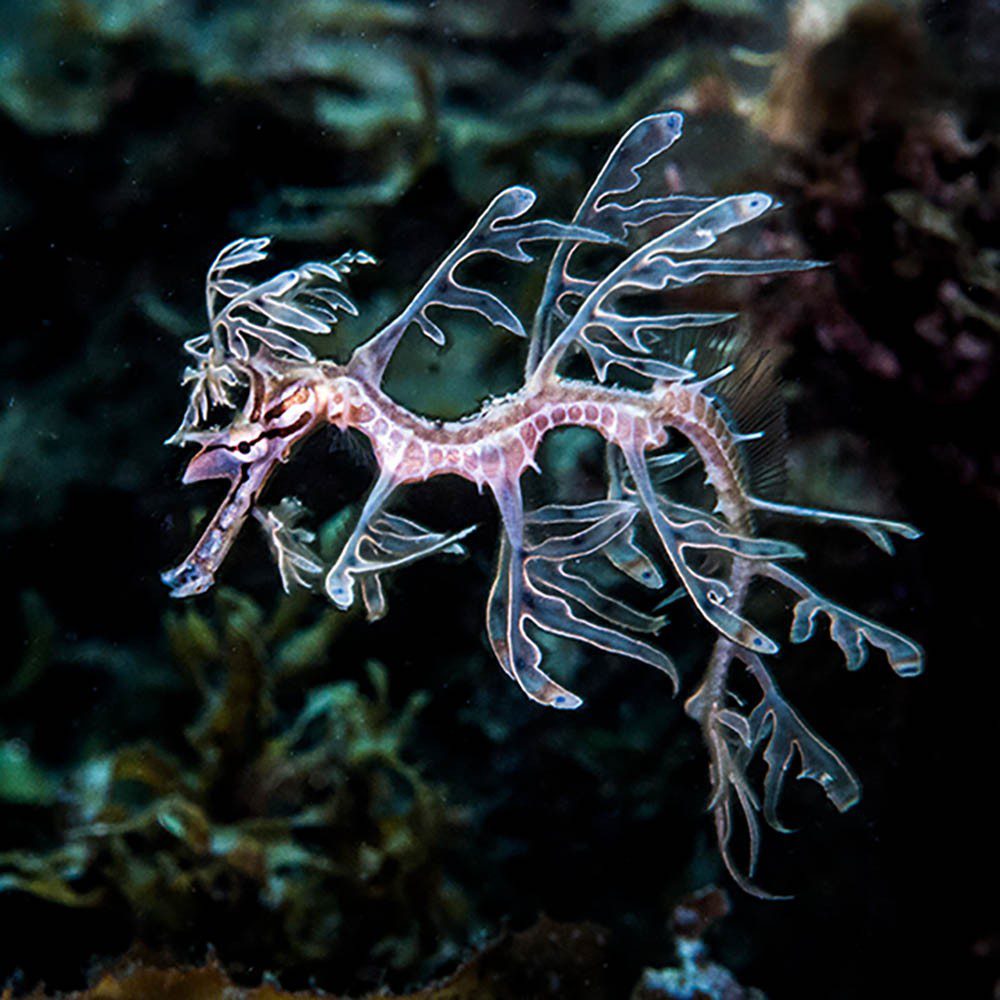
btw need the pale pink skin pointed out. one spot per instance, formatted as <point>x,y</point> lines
<point>493,448</point>
<point>288,400</point>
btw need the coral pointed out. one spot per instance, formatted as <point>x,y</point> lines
<point>697,977</point>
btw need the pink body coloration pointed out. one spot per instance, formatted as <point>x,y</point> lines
<point>501,443</point>
<point>553,560</point>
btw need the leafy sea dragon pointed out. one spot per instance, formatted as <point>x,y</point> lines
<point>684,415</point>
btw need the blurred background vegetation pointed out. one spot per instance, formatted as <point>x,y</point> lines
<point>292,795</point>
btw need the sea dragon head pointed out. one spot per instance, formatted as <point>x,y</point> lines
<point>279,412</point>
<point>254,344</point>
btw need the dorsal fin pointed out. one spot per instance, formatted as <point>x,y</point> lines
<point>749,395</point>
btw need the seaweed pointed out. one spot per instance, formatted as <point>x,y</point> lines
<point>307,818</point>
<point>138,137</point>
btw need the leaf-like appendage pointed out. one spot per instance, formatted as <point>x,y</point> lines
<point>775,725</point>
<point>536,586</point>
<point>211,380</point>
<point>877,529</point>
<point>290,544</point>
<point>610,533</point>
<point>653,268</point>
<point>555,608</point>
<point>602,520</point>
<point>710,595</point>
<point>622,552</point>
<point>697,530</point>
<point>852,632</point>
<point>282,343</point>
<point>556,577</point>
<point>275,311</point>
<point>726,734</point>
<point>381,542</point>
<point>775,732</point>
<point>606,208</point>
<point>496,231</point>
<point>239,253</point>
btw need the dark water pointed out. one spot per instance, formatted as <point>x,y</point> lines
<point>361,805</point>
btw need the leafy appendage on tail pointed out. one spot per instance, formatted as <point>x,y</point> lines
<point>773,731</point>
<point>852,632</point>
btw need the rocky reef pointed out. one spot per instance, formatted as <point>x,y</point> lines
<point>262,795</point>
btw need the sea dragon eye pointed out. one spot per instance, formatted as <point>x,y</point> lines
<point>251,451</point>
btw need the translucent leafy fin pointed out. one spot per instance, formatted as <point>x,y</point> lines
<point>559,613</point>
<point>495,232</point>
<point>775,726</point>
<point>877,529</point>
<point>583,591</point>
<point>586,540</point>
<point>275,312</point>
<point>622,552</point>
<point>507,614</point>
<point>384,547</point>
<point>727,734</point>
<point>654,268</point>
<point>579,513</point>
<point>574,606</point>
<point>697,530</point>
<point>605,523</point>
<point>671,464</point>
<point>709,594</point>
<point>290,544</point>
<point>534,585</point>
<point>212,378</point>
<point>606,208</point>
<point>852,632</point>
<point>625,555</point>
<point>381,542</point>
<point>775,732</point>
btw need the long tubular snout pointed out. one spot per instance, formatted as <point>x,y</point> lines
<point>196,574</point>
<point>246,457</point>
<point>212,463</point>
<point>191,577</point>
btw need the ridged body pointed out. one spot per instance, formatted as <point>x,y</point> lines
<point>682,417</point>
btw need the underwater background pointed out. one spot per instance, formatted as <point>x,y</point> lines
<point>254,789</point>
